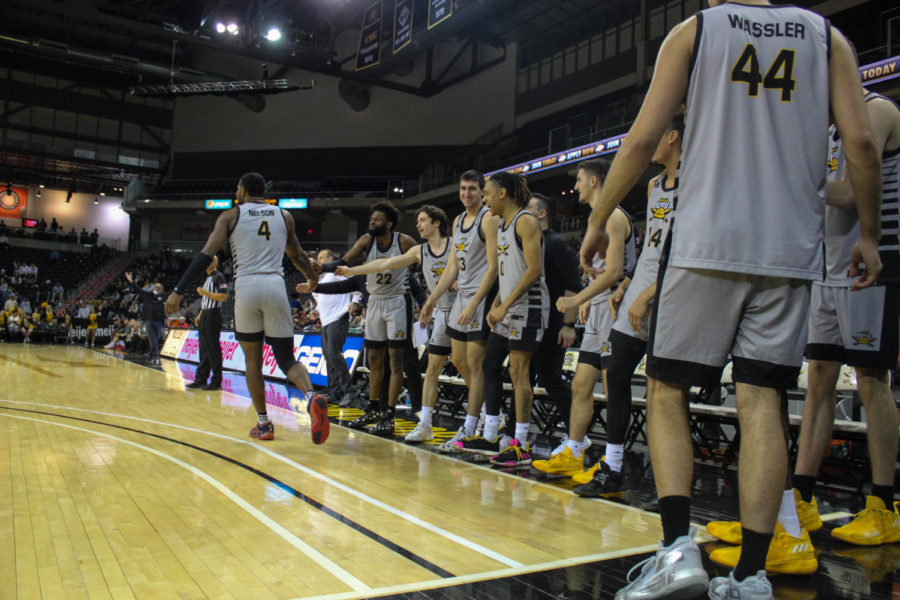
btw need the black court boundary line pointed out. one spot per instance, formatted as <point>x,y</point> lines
<point>392,546</point>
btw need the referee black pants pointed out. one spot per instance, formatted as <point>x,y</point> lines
<point>210,351</point>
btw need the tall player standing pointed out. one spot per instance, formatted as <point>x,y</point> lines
<point>741,255</point>
<point>260,235</point>
<point>474,269</point>
<point>433,255</point>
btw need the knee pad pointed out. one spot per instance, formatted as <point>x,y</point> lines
<point>283,349</point>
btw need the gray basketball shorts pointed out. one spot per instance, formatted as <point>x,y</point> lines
<point>477,328</point>
<point>261,307</point>
<point>702,316</point>
<point>622,324</point>
<point>523,327</point>
<point>858,328</point>
<point>595,346</point>
<point>387,321</point>
<point>439,341</point>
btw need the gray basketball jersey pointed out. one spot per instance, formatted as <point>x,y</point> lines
<point>258,240</point>
<point>841,225</point>
<point>471,257</point>
<point>752,189</point>
<point>433,267</point>
<point>660,210</point>
<point>388,283</point>
<point>511,265</point>
<point>628,264</point>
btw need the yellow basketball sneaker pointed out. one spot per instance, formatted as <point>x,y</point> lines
<point>874,525</point>
<point>586,476</point>
<point>807,512</point>
<point>788,555</point>
<point>563,464</point>
<point>727,531</point>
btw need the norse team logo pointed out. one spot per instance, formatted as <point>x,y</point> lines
<point>662,209</point>
<point>605,347</point>
<point>502,249</point>
<point>438,269</point>
<point>832,163</point>
<point>9,199</point>
<point>514,332</point>
<point>462,246</point>
<point>399,335</point>
<point>864,338</point>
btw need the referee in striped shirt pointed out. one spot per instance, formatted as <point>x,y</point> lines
<point>214,292</point>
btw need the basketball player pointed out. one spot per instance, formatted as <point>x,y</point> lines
<point>260,235</point>
<point>389,314</point>
<point>858,328</point>
<point>737,265</point>
<point>433,227</point>
<point>618,258</point>
<point>474,270</point>
<point>630,309</point>
<point>517,317</point>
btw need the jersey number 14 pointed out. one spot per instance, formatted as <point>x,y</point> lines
<point>778,77</point>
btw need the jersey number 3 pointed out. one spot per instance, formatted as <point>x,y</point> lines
<point>264,231</point>
<point>778,77</point>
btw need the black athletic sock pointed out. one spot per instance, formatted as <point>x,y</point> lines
<point>675,513</point>
<point>389,411</point>
<point>806,485</point>
<point>886,493</point>
<point>754,547</point>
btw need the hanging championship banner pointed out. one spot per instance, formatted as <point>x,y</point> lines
<point>403,15</point>
<point>13,201</point>
<point>438,11</point>
<point>369,53</point>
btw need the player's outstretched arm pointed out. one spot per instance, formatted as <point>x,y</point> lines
<point>411,256</point>
<point>214,243</point>
<point>295,252</point>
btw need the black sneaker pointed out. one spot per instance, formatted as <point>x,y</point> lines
<point>371,415</point>
<point>604,484</point>
<point>384,426</point>
<point>212,386</point>
<point>478,445</point>
<point>196,384</point>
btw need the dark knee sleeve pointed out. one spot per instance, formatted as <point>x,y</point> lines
<point>626,355</point>
<point>413,372</point>
<point>283,349</point>
<point>494,354</point>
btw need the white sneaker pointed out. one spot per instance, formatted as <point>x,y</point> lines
<point>756,587</point>
<point>450,445</point>
<point>422,433</point>
<point>673,572</point>
<point>562,445</point>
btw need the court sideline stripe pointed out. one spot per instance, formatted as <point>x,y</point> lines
<point>496,556</point>
<point>286,535</point>
<point>394,547</point>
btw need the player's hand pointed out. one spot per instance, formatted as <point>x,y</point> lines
<point>566,336</point>
<point>343,271</point>
<point>637,311</point>
<point>311,285</point>
<point>583,312</point>
<point>200,290</point>
<point>564,304</point>
<point>172,303</point>
<point>304,288</point>
<point>496,315</point>
<point>353,308</point>
<point>467,314</point>
<point>864,263</point>
<point>425,313</point>
<point>615,301</point>
<point>454,287</point>
<point>316,266</point>
<point>128,277</point>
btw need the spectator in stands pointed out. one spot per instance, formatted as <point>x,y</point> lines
<point>14,321</point>
<point>2,325</point>
<point>42,224</point>
<point>83,310</point>
<point>153,314</point>
<point>72,236</point>
<point>54,226</point>
<point>83,236</point>
<point>57,293</point>
<point>25,305</point>
<point>94,236</point>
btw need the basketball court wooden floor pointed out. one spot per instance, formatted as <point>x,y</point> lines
<point>117,483</point>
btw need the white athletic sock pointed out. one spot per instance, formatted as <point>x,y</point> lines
<point>575,446</point>
<point>470,424</point>
<point>263,418</point>
<point>614,455</point>
<point>425,417</point>
<point>309,395</point>
<point>787,514</point>
<point>522,433</point>
<point>491,424</point>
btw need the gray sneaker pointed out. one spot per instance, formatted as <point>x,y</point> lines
<point>422,433</point>
<point>752,588</point>
<point>450,445</point>
<point>675,572</point>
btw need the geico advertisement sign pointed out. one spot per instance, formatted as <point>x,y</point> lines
<point>307,349</point>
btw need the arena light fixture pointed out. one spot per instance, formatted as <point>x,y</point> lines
<point>96,201</point>
<point>220,27</point>
<point>274,34</point>
<point>232,28</point>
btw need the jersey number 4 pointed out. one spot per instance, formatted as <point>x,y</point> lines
<point>264,231</point>
<point>778,77</point>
